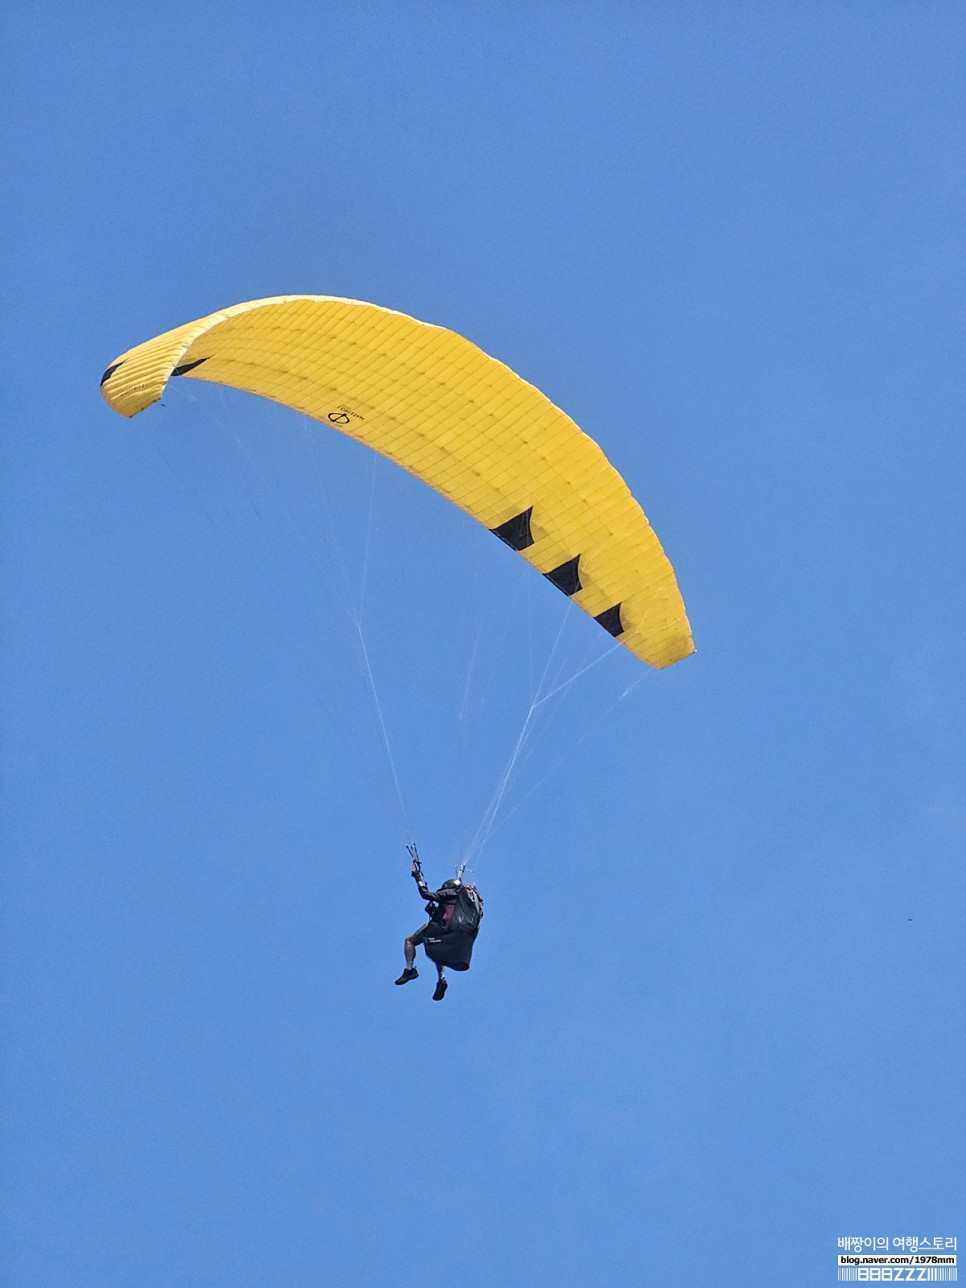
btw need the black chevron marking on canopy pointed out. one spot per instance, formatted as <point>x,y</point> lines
<point>610,619</point>
<point>566,577</point>
<point>516,531</point>
<point>188,366</point>
<point>110,372</point>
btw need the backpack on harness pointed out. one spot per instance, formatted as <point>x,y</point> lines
<point>454,946</point>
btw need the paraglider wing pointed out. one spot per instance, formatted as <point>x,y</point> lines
<point>454,417</point>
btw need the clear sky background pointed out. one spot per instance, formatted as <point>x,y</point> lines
<point>715,1016</point>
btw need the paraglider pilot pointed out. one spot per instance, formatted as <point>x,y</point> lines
<point>447,938</point>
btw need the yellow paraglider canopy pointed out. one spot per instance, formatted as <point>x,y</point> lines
<point>454,417</point>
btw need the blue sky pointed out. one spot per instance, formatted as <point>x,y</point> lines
<point>714,1020</point>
